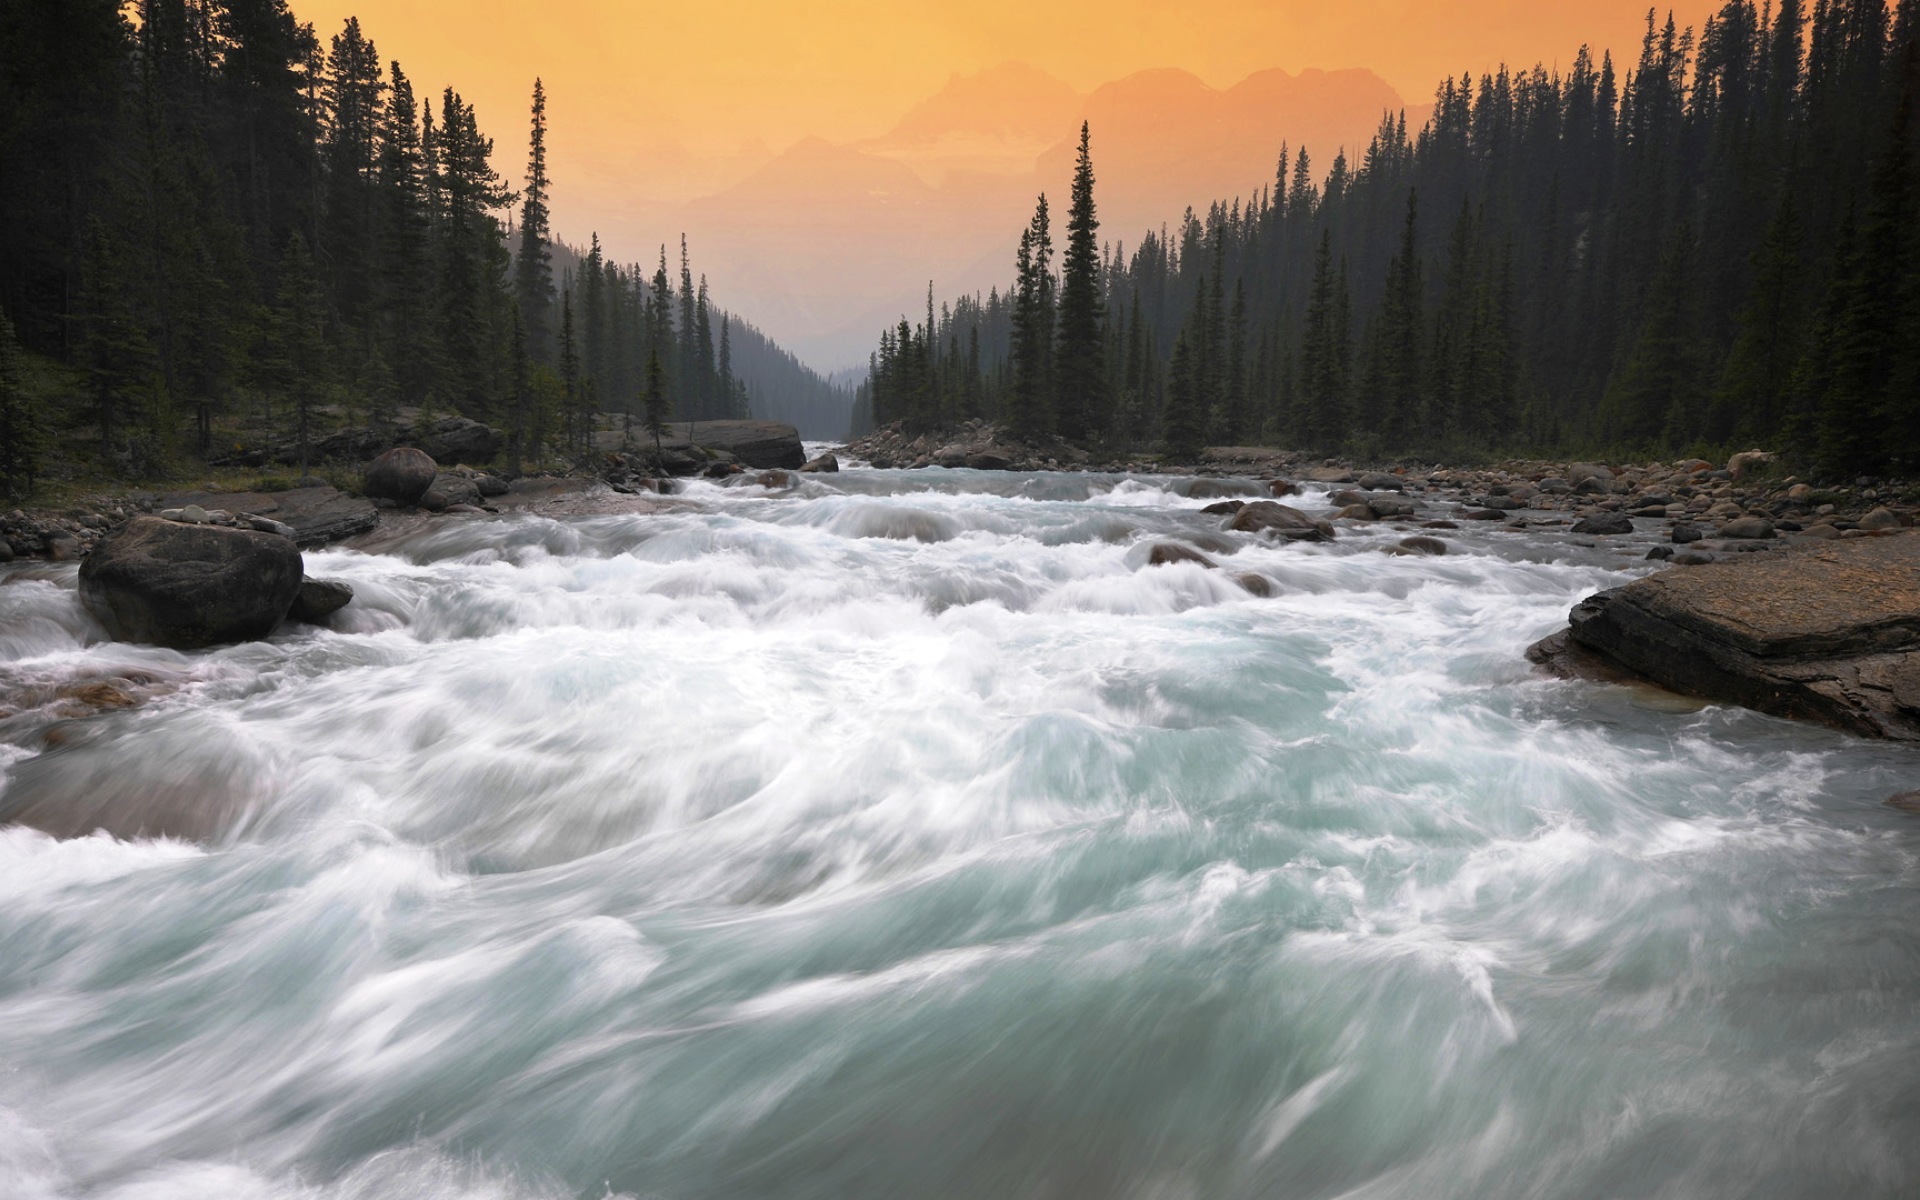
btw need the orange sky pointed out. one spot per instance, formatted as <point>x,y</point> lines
<point>653,104</point>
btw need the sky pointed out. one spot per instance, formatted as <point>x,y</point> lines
<point>652,106</point>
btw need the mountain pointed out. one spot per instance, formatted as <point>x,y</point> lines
<point>827,242</point>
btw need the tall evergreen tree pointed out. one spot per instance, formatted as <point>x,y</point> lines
<point>533,266</point>
<point>1080,382</point>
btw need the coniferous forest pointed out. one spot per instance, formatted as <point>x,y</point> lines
<point>214,212</point>
<point>1713,245</point>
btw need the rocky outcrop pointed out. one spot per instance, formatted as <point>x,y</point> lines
<point>188,586</point>
<point>312,516</point>
<point>1263,516</point>
<point>452,440</point>
<point>757,444</point>
<point>401,475</point>
<point>1828,632</point>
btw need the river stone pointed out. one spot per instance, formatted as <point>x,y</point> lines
<point>1685,532</point>
<point>1224,508</point>
<point>1826,632</point>
<point>1756,528</point>
<point>1380,481</point>
<point>449,490</point>
<point>1282,487</point>
<point>401,475</point>
<point>1578,473</point>
<point>1604,524</point>
<point>319,599</point>
<point>1167,553</point>
<point>1289,523</point>
<point>1880,518</point>
<point>1256,585</point>
<point>1419,544</point>
<point>188,586</point>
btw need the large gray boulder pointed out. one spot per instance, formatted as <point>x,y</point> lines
<point>757,444</point>
<point>1826,632</point>
<point>189,586</point>
<point>401,475</point>
<point>1290,523</point>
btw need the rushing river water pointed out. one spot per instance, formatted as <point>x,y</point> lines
<point>905,835</point>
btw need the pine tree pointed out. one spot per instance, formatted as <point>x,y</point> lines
<point>116,351</point>
<point>1028,413</point>
<point>1184,426</point>
<point>23,433</point>
<point>1323,366</point>
<point>573,395</point>
<point>659,410</point>
<point>1080,376</point>
<point>533,266</point>
<point>298,362</point>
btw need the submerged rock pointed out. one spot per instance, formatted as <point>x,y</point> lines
<point>319,599</point>
<point>1166,553</point>
<point>1826,632</point>
<point>189,586</point>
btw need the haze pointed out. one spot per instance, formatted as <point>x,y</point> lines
<point>830,159</point>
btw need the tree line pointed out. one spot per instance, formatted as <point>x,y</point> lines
<point>213,216</point>
<point>1719,244</point>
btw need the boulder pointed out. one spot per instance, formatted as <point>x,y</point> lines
<point>1327,475</point>
<point>1224,508</point>
<point>401,475</point>
<point>1746,462</point>
<point>1756,528</point>
<point>1578,473</point>
<point>1256,585</point>
<point>189,586</point>
<point>454,440</point>
<point>449,490</point>
<point>989,460</point>
<point>1685,532</point>
<point>828,464</point>
<point>1880,518</point>
<point>1282,487</point>
<point>1826,632</point>
<point>1167,553</point>
<point>1290,523</point>
<point>1419,544</point>
<point>757,444</point>
<point>1604,524</point>
<point>1380,481</point>
<point>319,599</point>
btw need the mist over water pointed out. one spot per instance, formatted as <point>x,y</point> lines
<point>905,835</point>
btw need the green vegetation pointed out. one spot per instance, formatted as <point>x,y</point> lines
<point>1719,246</point>
<point>220,229</point>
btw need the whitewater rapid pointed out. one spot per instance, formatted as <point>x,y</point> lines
<point>906,835</point>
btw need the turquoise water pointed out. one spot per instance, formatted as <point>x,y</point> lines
<point>907,836</point>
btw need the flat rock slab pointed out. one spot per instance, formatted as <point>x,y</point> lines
<point>1827,632</point>
<point>758,444</point>
<point>316,515</point>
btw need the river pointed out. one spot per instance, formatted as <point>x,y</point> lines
<point>905,835</point>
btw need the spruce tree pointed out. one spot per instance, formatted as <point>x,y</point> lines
<point>23,433</point>
<point>533,266</point>
<point>1080,375</point>
<point>1183,426</point>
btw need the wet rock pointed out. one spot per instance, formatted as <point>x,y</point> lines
<point>1256,585</point>
<point>1685,532</point>
<point>1224,508</point>
<point>315,515</point>
<point>319,599</point>
<point>1388,507</point>
<point>1282,487</point>
<point>1693,558</point>
<point>1660,553</point>
<point>1880,518</point>
<point>1578,473</point>
<point>1828,632</point>
<point>774,479</point>
<point>1483,514</point>
<point>401,475</point>
<point>1419,544</point>
<point>1167,553</point>
<point>1907,802</point>
<point>826,464</point>
<point>1380,481</point>
<point>989,460</point>
<point>1604,524</point>
<point>189,587</point>
<point>1290,523</point>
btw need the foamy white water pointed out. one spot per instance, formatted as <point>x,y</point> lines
<point>907,836</point>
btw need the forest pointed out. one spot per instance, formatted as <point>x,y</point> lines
<point>216,220</point>
<point>1716,245</point>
